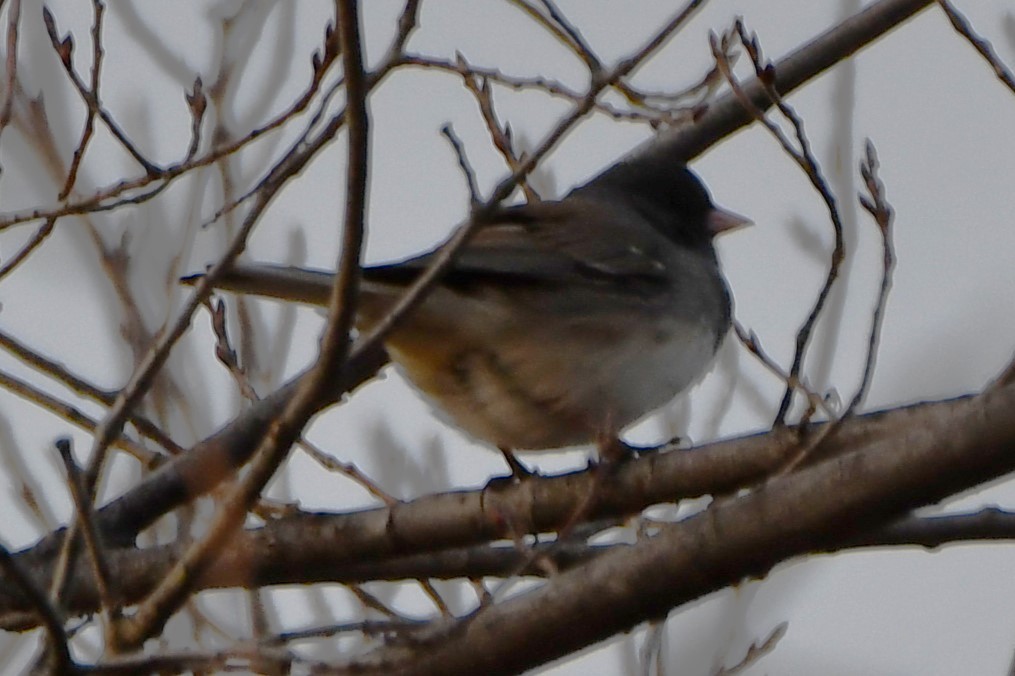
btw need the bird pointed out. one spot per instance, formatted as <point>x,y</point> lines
<point>560,322</point>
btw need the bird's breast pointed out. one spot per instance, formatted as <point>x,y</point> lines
<point>558,382</point>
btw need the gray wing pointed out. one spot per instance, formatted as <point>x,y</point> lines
<point>579,243</point>
<point>575,242</point>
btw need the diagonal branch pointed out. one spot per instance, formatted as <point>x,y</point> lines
<point>726,115</point>
<point>156,610</point>
<point>982,46</point>
<point>736,537</point>
<point>404,537</point>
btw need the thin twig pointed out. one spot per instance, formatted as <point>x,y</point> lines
<point>879,208</point>
<point>74,415</point>
<point>78,385</point>
<point>646,112</point>
<point>500,137</point>
<point>574,36</point>
<point>408,21</point>
<point>756,651</point>
<point>11,89</point>
<point>348,469</point>
<point>64,49</point>
<point>167,597</point>
<point>92,538</point>
<point>112,196</point>
<point>808,163</point>
<point>224,352</point>
<point>198,104</point>
<point>46,611</point>
<point>750,340</point>
<point>980,44</point>
<point>98,11</point>
<point>33,243</point>
<point>664,35</point>
<point>438,600</point>
<point>371,602</point>
<point>562,30</point>
<point>475,199</point>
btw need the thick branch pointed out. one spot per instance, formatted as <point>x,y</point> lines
<point>414,538</point>
<point>740,537</point>
<point>726,115</point>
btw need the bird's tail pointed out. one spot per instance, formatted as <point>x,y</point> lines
<point>301,285</point>
<point>312,287</point>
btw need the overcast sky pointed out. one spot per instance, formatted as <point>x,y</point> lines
<point>945,132</point>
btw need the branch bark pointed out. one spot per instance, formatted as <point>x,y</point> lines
<point>866,467</point>
<point>929,458</point>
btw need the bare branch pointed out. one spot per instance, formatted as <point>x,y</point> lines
<point>80,386</point>
<point>39,603</point>
<point>498,134</point>
<point>64,49</point>
<point>757,650</point>
<point>10,90</point>
<point>75,416</point>
<point>33,243</point>
<point>982,46</point>
<point>791,514</point>
<point>86,524</point>
<point>751,341</point>
<point>463,162</point>
<point>167,598</point>
<point>882,212</point>
<point>808,163</point>
<point>347,469</point>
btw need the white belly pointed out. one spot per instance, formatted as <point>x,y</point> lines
<point>536,390</point>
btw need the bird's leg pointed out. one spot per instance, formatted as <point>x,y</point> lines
<point>612,452</point>
<point>519,472</point>
<point>613,449</point>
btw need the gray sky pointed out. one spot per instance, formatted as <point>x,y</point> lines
<point>943,129</point>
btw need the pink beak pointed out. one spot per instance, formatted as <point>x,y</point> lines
<point>720,221</point>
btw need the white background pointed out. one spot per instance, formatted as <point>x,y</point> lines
<point>945,132</point>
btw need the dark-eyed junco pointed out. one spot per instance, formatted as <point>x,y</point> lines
<point>560,321</point>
